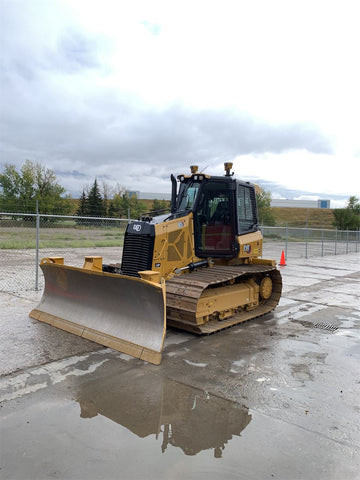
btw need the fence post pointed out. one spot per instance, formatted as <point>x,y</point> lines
<point>286,240</point>
<point>37,247</point>
<point>322,242</point>
<point>336,239</point>
<point>347,241</point>
<point>306,240</point>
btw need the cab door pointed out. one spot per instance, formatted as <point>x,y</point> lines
<point>215,225</point>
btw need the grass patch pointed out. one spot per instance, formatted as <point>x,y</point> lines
<point>17,244</point>
<point>103,243</point>
<point>112,234</point>
<point>25,238</point>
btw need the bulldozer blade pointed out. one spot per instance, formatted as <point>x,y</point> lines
<point>124,313</point>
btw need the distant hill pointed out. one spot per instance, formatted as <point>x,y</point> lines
<point>300,217</point>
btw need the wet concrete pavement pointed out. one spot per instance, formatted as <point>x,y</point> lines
<point>277,397</point>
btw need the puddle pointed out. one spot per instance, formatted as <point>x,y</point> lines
<point>121,426</point>
<point>173,414</point>
<point>132,424</point>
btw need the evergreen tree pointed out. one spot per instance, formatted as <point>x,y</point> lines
<point>94,202</point>
<point>82,209</point>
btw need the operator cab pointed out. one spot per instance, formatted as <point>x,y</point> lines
<point>222,208</point>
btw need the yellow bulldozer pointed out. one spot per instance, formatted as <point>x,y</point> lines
<point>198,268</point>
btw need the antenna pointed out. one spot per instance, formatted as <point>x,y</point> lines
<point>202,170</point>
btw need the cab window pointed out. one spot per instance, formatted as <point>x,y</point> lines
<point>246,208</point>
<point>187,196</point>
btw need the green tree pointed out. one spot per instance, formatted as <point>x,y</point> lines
<point>159,206</point>
<point>10,188</point>
<point>106,191</point>
<point>112,210</point>
<point>348,218</point>
<point>94,201</point>
<point>354,205</point>
<point>121,205</point>
<point>263,199</point>
<point>19,190</point>
<point>82,208</point>
<point>136,207</point>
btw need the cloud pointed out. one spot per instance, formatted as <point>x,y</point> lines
<point>103,136</point>
<point>79,88</point>
<point>60,106</point>
<point>54,100</point>
<point>152,28</point>
<point>279,191</point>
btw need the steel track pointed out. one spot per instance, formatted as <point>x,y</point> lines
<point>184,291</point>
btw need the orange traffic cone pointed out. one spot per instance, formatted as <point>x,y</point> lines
<point>282,259</point>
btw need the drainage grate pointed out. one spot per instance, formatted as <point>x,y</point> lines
<point>326,326</point>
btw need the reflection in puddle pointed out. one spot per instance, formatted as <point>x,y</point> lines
<point>178,415</point>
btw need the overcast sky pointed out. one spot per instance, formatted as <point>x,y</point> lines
<point>130,91</point>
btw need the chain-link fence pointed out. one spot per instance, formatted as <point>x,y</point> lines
<point>311,242</point>
<point>26,238</point>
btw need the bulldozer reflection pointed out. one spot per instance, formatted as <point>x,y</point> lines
<point>183,416</point>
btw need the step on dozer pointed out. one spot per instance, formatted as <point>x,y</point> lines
<point>124,313</point>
